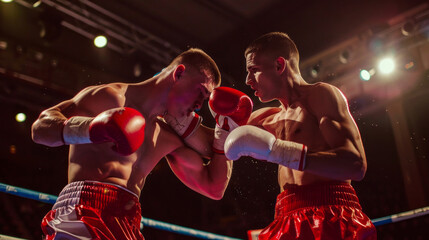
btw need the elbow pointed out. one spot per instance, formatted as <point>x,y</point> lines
<point>35,136</point>
<point>216,196</point>
<point>40,137</point>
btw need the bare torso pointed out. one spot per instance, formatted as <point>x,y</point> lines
<point>295,123</point>
<point>98,162</point>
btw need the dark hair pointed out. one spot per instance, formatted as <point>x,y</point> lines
<point>201,61</point>
<point>275,44</point>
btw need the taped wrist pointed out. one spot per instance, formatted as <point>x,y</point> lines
<point>76,130</point>
<point>184,126</point>
<point>220,136</point>
<point>289,154</point>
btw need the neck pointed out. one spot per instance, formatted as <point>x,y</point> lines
<point>149,96</point>
<point>291,93</point>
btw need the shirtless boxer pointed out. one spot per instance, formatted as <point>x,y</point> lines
<point>118,132</point>
<point>314,140</point>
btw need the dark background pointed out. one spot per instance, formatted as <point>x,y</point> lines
<point>37,72</point>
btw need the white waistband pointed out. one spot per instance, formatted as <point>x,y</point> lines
<point>70,195</point>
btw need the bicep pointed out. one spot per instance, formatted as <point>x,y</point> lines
<point>335,121</point>
<point>188,166</point>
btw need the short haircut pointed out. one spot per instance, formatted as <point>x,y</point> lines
<point>197,59</point>
<point>275,44</point>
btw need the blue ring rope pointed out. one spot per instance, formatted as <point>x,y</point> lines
<point>401,216</point>
<point>51,199</point>
<point>47,198</point>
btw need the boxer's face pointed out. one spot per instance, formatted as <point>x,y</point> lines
<point>262,76</point>
<point>189,93</point>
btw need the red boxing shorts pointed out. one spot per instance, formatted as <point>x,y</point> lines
<point>94,210</point>
<point>319,211</point>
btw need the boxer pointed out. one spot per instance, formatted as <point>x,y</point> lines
<point>313,139</point>
<point>118,132</point>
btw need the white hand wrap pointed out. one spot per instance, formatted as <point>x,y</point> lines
<point>76,130</point>
<point>288,154</point>
<point>221,134</point>
<point>184,126</point>
<point>260,144</point>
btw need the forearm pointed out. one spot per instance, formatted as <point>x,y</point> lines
<point>342,163</point>
<point>339,164</point>
<point>209,179</point>
<point>219,171</point>
<point>47,129</point>
<point>201,141</point>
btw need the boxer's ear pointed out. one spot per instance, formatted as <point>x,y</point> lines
<point>178,72</point>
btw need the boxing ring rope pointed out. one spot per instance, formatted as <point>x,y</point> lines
<point>401,216</point>
<point>48,198</point>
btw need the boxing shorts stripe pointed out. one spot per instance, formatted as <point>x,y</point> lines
<point>94,210</point>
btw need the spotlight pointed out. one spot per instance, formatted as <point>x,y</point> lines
<point>6,1</point>
<point>315,71</point>
<point>3,45</point>
<point>100,41</point>
<point>408,28</point>
<point>365,75</point>
<point>38,56</point>
<point>12,149</point>
<point>386,65</point>
<point>20,117</point>
<point>37,3</point>
<point>344,56</point>
<point>409,65</point>
<point>137,70</point>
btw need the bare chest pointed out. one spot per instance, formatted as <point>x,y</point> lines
<point>293,124</point>
<point>159,142</point>
<point>100,161</point>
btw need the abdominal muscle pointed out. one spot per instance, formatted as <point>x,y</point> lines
<point>99,163</point>
<point>284,125</point>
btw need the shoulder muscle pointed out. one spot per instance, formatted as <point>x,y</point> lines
<point>328,101</point>
<point>96,99</point>
<point>261,114</point>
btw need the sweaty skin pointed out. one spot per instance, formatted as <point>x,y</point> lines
<point>315,115</point>
<point>99,162</point>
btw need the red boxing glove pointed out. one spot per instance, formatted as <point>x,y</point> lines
<point>231,108</point>
<point>231,103</point>
<point>122,126</point>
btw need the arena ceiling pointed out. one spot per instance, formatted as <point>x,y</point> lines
<point>145,35</point>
